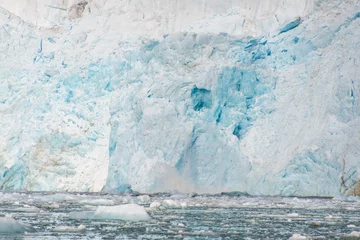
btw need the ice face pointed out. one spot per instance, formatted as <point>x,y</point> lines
<point>268,106</point>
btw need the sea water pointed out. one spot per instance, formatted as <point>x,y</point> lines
<point>176,216</point>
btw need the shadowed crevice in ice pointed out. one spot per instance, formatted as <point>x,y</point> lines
<point>291,25</point>
<point>201,98</point>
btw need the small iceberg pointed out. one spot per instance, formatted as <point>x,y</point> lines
<point>80,228</point>
<point>9,225</point>
<point>352,235</point>
<point>169,203</point>
<point>292,215</point>
<point>298,237</point>
<point>126,212</point>
<point>155,205</point>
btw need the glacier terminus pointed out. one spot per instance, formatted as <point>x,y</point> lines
<point>205,96</point>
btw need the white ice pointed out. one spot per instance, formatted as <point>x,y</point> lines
<point>125,212</point>
<point>352,235</point>
<point>80,228</point>
<point>298,237</point>
<point>194,96</point>
<point>11,226</point>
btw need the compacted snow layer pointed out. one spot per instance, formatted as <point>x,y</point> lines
<point>195,96</point>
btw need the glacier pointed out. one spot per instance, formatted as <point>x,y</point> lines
<point>193,96</point>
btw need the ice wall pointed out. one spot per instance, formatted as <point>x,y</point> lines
<point>203,96</point>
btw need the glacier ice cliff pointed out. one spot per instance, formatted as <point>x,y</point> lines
<point>203,96</point>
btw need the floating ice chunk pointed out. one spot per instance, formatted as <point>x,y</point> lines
<point>80,228</point>
<point>106,202</point>
<point>82,215</point>
<point>330,217</point>
<point>173,204</point>
<point>54,205</point>
<point>170,203</point>
<point>26,208</point>
<point>250,204</point>
<point>183,204</point>
<point>204,232</point>
<point>352,235</point>
<point>155,205</point>
<point>11,226</point>
<point>58,197</point>
<point>292,215</point>
<point>297,237</point>
<point>126,212</point>
<point>351,226</point>
<point>143,199</point>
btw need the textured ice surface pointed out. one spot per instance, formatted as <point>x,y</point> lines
<point>204,96</point>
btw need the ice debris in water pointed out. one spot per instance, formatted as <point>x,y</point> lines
<point>126,212</point>
<point>80,228</point>
<point>9,225</point>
